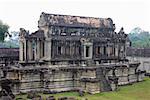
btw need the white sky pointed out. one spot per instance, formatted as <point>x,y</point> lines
<point>126,13</point>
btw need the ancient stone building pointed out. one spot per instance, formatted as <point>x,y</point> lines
<point>72,53</point>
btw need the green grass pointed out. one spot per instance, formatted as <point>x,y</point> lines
<point>137,91</point>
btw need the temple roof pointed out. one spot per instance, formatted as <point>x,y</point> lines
<point>38,33</point>
<point>74,21</point>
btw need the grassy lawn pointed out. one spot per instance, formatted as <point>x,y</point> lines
<point>137,91</point>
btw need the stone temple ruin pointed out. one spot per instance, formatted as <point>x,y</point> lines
<point>72,53</point>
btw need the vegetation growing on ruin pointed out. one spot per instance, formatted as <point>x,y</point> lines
<point>137,91</point>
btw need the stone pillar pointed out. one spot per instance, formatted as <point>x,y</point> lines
<point>21,51</point>
<point>38,50</point>
<point>91,51</point>
<point>116,52</point>
<point>35,49</point>
<point>41,49</point>
<point>102,50</point>
<point>81,51</point>
<point>47,48</point>
<point>84,51</point>
<point>124,50</point>
<point>25,50</point>
<point>108,50</point>
<point>63,50</point>
<point>30,50</point>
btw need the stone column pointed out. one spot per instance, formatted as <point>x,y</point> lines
<point>35,49</point>
<point>21,51</point>
<point>25,50</point>
<point>91,51</point>
<point>116,52</point>
<point>41,49</point>
<point>102,50</point>
<point>125,50</point>
<point>38,50</point>
<point>30,50</point>
<point>108,51</point>
<point>84,52</point>
<point>47,48</point>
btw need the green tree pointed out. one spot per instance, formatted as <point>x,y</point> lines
<point>139,37</point>
<point>3,29</point>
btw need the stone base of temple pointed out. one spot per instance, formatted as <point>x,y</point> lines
<point>94,79</point>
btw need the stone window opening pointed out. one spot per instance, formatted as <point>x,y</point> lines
<point>114,51</point>
<point>59,50</point>
<point>98,50</point>
<point>105,50</point>
<point>87,51</point>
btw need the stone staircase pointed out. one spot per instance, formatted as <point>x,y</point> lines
<point>104,82</point>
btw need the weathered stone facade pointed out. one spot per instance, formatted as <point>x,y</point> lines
<point>73,53</point>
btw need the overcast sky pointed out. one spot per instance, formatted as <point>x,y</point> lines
<point>126,13</point>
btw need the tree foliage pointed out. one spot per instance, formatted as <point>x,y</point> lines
<point>3,29</point>
<point>139,38</point>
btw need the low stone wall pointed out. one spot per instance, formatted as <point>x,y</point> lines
<point>88,80</point>
<point>54,80</point>
<point>145,62</point>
